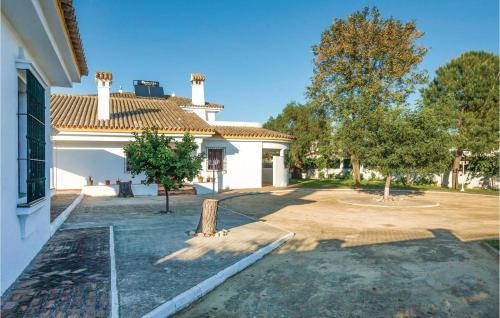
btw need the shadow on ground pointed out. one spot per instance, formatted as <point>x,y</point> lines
<point>348,261</point>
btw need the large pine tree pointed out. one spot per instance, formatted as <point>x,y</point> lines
<point>465,94</point>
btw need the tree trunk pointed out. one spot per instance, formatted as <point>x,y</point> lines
<point>208,217</point>
<point>456,169</point>
<point>355,170</point>
<point>387,188</point>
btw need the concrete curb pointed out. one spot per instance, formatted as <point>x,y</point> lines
<point>183,300</point>
<point>114,289</point>
<point>491,249</point>
<point>56,224</point>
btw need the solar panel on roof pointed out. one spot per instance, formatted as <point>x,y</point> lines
<point>148,88</point>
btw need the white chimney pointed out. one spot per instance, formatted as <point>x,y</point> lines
<point>197,89</point>
<point>103,80</point>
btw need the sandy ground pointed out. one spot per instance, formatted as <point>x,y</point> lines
<point>360,261</point>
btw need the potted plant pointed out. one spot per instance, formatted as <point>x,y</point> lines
<point>200,179</point>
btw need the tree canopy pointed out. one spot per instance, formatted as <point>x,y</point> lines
<point>465,94</point>
<point>163,160</point>
<point>362,64</point>
<point>308,125</point>
<point>407,142</point>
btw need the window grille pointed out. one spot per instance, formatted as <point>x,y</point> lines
<point>31,138</point>
<point>217,155</point>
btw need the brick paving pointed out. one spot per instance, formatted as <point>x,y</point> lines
<point>59,202</point>
<point>70,277</point>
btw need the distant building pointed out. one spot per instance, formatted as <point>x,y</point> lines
<point>41,48</point>
<point>90,132</point>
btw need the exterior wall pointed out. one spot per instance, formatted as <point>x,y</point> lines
<point>243,163</point>
<point>75,161</point>
<point>280,173</point>
<point>17,251</point>
<point>267,175</point>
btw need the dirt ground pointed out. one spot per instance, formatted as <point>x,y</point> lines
<point>366,261</point>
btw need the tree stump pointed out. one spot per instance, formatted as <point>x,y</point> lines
<point>125,189</point>
<point>208,218</point>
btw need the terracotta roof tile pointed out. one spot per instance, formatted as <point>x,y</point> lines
<point>131,113</point>
<point>127,113</point>
<point>250,132</point>
<point>74,34</point>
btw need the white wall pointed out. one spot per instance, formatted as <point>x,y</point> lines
<point>267,175</point>
<point>17,252</point>
<point>243,163</point>
<point>75,161</point>
<point>280,173</point>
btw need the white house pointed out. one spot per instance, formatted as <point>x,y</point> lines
<point>90,132</point>
<point>40,48</point>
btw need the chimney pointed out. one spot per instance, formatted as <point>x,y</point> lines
<point>197,89</point>
<point>103,80</point>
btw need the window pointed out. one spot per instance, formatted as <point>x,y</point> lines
<point>31,138</point>
<point>215,159</point>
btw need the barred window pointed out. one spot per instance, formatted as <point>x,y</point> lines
<point>215,159</point>
<point>31,138</point>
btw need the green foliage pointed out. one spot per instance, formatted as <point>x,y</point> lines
<point>405,142</point>
<point>465,94</point>
<point>364,64</point>
<point>162,159</point>
<point>485,166</point>
<point>308,125</point>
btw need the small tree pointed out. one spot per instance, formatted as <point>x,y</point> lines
<point>405,143</point>
<point>163,160</point>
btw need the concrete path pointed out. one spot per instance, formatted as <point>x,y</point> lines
<point>59,202</point>
<point>352,261</point>
<point>155,258</point>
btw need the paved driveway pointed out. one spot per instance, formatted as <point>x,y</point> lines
<point>353,261</point>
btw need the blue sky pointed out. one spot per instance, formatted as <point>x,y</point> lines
<point>256,55</point>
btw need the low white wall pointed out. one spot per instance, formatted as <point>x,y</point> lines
<point>470,182</point>
<point>75,161</point>
<point>113,189</point>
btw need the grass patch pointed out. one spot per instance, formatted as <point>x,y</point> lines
<point>493,243</point>
<point>375,184</point>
